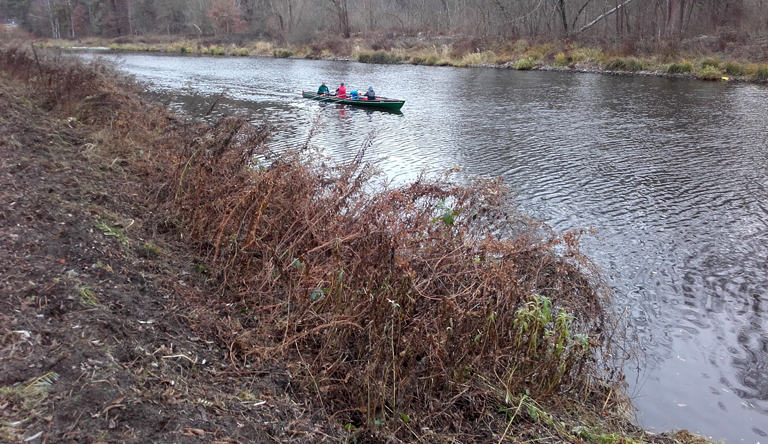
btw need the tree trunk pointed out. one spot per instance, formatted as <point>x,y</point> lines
<point>674,26</point>
<point>561,8</point>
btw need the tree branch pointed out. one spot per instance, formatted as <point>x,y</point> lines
<point>595,21</point>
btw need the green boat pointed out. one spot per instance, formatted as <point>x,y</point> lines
<point>383,104</point>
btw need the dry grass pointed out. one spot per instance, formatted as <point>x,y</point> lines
<point>431,300</point>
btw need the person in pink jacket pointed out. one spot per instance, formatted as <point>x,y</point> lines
<point>341,92</point>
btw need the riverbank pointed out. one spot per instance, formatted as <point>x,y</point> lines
<point>710,58</point>
<point>164,288</point>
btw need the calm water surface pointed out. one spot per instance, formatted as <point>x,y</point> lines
<point>672,175</point>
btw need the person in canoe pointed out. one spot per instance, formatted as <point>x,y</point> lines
<point>370,95</point>
<point>341,91</point>
<point>323,90</point>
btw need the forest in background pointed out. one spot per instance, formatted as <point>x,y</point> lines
<point>641,24</point>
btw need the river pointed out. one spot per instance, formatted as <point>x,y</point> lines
<point>672,174</point>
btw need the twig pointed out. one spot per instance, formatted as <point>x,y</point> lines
<point>181,356</point>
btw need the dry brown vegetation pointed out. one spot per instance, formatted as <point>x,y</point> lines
<point>430,311</point>
<point>435,300</point>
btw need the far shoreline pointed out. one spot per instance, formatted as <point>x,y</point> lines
<point>519,55</point>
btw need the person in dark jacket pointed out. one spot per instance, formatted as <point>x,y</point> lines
<point>323,90</point>
<point>370,95</point>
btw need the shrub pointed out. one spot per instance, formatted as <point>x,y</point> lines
<point>422,294</point>
<point>734,69</point>
<point>182,47</point>
<point>586,54</point>
<point>525,64</point>
<point>709,73</point>
<point>761,73</point>
<point>520,46</point>
<point>629,64</point>
<point>710,62</point>
<point>261,47</point>
<point>282,53</point>
<point>240,51</point>
<point>562,60</point>
<point>217,50</point>
<point>432,60</point>
<point>680,68</point>
<point>539,51</point>
<point>127,47</point>
<point>474,58</point>
<point>379,57</point>
<point>416,60</point>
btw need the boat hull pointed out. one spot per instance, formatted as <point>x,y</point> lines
<point>385,104</point>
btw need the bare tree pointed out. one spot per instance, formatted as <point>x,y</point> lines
<point>342,13</point>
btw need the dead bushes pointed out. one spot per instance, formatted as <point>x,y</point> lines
<point>64,82</point>
<point>422,302</point>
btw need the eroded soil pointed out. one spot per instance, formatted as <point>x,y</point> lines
<point>97,306</point>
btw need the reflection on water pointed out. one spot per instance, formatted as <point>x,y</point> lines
<point>670,173</point>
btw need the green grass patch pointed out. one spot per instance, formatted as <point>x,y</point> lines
<point>761,73</point>
<point>581,54</point>
<point>735,69</point>
<point>240,52</point>
<point>709,73</point>
<point>181,47</point>
<point>282,53</point>
<point>113,231</point>
<point>562,60</point>
<point>476,59</point>
<point>710,62</point>
<point>152,251</point>
<point>27,396</point>
<point>680,68</point>
<point>88,296</point>
<point>217,50</point>
<point>127,47</point>
<point>525,64</point>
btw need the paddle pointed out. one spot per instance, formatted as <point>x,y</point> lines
<point>328,98</point>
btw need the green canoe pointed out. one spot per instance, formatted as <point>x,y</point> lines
<point>384,104</point>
